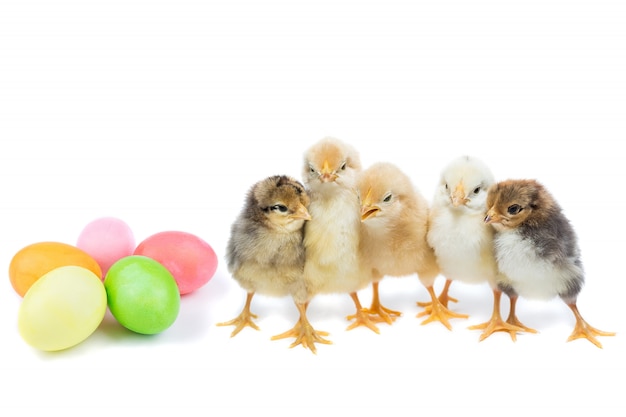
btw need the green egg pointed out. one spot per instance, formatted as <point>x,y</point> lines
<point>142,294</point>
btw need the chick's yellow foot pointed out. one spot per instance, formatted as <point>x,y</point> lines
<point>362,318</point>
<point>496,324</point>
<point>305,335</point>
<point>584,331</point>
<point>381,314</point>
<point>438,312</point>
<point>244,319</point>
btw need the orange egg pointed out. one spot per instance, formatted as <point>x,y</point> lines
<point>36,260</point>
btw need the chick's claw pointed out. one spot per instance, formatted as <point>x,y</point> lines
<point>498,325</point>
<point>381,313</point>
<point>582,329</point>
<point>305,335</point>
<point>438,311</point>
<point>244,319</point>
<point>362,318</point>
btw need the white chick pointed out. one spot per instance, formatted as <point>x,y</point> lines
<point>462,244</point>
<point>393,238</point>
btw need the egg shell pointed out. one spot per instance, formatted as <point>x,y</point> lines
<point>190,259</point>
<point>62,308</point>
<point>33,261</point>
<point>107,240</point>
<point>142,294</point>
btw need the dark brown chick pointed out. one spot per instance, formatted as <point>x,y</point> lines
<point>265,253</point>
<point>536,250</point>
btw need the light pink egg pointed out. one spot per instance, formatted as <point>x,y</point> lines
<point>191,260</point>
<point>107,240</point>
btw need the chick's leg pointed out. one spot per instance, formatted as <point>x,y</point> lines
<point>444,298</point>
<point>361,317</point>
<point>304,332</point>
<point>377,309</point>
<point>513,320</point>
<point>436,311</point>
<point>496,324</point>
<point>584,330</point>
<point>243,319</point>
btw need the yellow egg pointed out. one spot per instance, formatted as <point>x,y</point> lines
<point>33,261</point>
<point>62,308</point>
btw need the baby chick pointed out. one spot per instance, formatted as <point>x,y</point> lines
<point>393,238</point>
<point>265,252</point>
<point>331,237</point>
<point>457,233</point>
<point>537,250</point>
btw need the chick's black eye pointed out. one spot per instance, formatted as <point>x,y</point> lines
<point>514,209</point>
<point>279,207</point>
<point>343,166</point>
<point>476,190</point>
<point>446,186</point>
<point>387,198</point>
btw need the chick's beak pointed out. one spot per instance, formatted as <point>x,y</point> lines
<point>301,213</point>
<point>458,196</point>
<point>367,208</point>
<point>327,174</point>
<point>491,217</point>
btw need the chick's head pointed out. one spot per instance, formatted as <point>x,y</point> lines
<point>511,203</point>
<point>330,162</point>
<point>279,202</point>
<point>464,184</point>
<point>384,191</point>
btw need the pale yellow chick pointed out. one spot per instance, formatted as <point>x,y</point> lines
<point>331,237</point>
<point>393,237</point>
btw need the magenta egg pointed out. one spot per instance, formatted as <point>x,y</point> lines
<point>190,259</point>
<point>107,240</point>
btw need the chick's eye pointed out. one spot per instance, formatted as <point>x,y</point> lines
<point>446,186</point>
<point>476,190</point>
<point>279,207</point>
<point>514,209</point>
<point>387,198</point>
<point>343,166</point>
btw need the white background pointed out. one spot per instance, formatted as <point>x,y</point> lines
<point>163,113</point>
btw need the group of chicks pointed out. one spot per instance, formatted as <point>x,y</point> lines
<point>346,228</point>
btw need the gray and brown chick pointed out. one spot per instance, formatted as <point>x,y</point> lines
<point>536,250</point>
<point>265,252</point>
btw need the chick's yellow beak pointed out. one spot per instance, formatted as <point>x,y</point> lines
<point>458,196</point>
<point>301,213</point>
<point>367,208</point>
<point>327,174</point>
<point>491,217</point>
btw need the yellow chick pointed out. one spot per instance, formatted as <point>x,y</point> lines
<point>331,237</point>
<point>265,251</point>
<point>393,237</point>
<point>537,250</point>
<point>462,244</point>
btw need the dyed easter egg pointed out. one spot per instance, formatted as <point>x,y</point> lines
<point>33,261</point>
<point>191,260</point>
<point>142,294</point>
<point>62,308</point>
<point>107,240</point>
